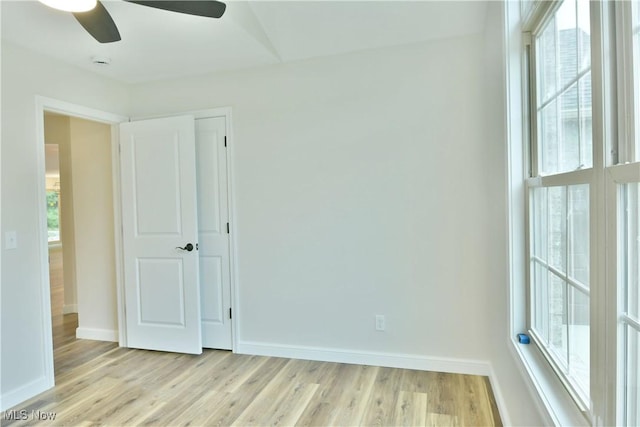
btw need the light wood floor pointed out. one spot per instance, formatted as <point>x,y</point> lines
<point>98,383</point>
<point>117,386</point>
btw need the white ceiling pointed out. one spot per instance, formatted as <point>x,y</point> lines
<point>158,44</point>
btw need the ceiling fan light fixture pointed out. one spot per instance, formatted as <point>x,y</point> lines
<point>71,5</point>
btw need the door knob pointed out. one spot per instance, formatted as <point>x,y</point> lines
<point>188,247</point>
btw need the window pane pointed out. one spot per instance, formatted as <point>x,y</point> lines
<point>558,319</point>
<point>567,41</point>
<point>632,365</point>
<point>547,69</point>
<point>541,304</point>
<point>579,233</point>
<point>586,133</point>
<point>579,339</point>
<point>539,223</point>
<point>539,272</point>
<point>569,144</point>
<point>557,203</point>
<point>584,36</point>
<point>563,62</point>
<point>549,153</point>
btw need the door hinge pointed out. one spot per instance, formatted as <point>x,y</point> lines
<point>227,228</point>
<point>225,140</point>
<point>230,313</point>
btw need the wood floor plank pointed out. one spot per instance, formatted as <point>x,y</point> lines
<point>381,407</point>
<point>283,408</point>
<point>411,409</point>
<point>472,389</point>
<point>442,392</point>
<point>441,420</point>
<point>229,407</point>
<point>342,398</point>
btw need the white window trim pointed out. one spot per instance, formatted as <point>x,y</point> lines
<point>552,398</point>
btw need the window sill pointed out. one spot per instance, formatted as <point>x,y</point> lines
<point>557,401</point>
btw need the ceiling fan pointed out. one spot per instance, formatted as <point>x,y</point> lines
<point>95,18</point>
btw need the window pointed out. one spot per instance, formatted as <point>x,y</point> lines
<point>580,217</point>
<point>559,196</point>
<point>53,215</point>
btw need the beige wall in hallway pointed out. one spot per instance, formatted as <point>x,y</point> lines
<point>94,236</point>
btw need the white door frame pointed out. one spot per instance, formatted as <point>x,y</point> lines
<point>225,112</point>
<point>44,104</point>
<point>73,110</point>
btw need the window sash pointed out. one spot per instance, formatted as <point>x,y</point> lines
<point>562,178</point>
<point>564,369</point>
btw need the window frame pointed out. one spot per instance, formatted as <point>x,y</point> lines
<point>616,161</point>
<point>536,24</point>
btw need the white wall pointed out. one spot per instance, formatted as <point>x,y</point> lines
<point>25,75</point>
<point>94,230</point>
<point>367,183</point>
<point>360,190</point>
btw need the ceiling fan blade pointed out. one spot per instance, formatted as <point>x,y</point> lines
<point>206,8</point>
<point>99,24</point>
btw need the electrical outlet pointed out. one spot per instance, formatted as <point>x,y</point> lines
<point>380,323</point>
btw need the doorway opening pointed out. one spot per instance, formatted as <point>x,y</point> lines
<point>64,315</point>
<point>101,309</point>
<point>80,235</point>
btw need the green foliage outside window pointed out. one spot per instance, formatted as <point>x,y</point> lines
<point>53,216</point>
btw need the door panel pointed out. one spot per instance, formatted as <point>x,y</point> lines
<point>213,215</point>
<point>211,277</point>
<point>161,287</point>
<point>159,213</point>
<point>157,182</point>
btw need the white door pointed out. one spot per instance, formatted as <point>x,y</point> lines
<point>213,217</point>
<point>159,213</point>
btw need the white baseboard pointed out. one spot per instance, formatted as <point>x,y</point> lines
<point>97,334</point>
<point>497,394</point>
<point>69,308</point>
<point>27,391</point>
<point>390,360</point>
